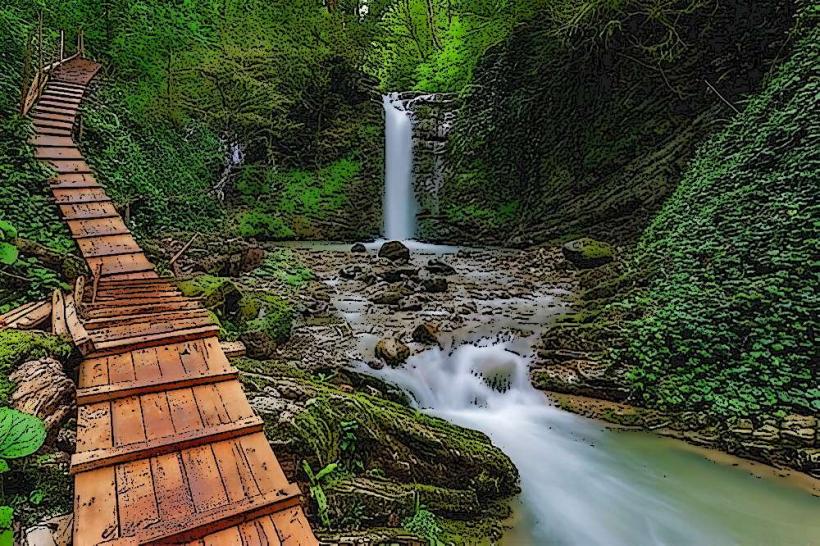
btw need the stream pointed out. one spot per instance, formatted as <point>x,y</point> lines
<point>582,482</point>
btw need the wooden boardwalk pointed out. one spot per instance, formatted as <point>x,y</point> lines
<point>168,449</point>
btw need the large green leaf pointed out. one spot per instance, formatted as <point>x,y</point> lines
<point>8,253</point>
<point>20,434</point>
<point>7,230</point>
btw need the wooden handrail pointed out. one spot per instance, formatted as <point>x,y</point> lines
<point>32,92</point>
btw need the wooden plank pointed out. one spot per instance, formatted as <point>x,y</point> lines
<point>45,140</point>
<point>93,373</point>
<point>95,507</point>
<point>69,180</point>
<point>54,152</point>
<point>78,332</point>
<point>95,228</point>
<point>293,528</point>
<point>88,211</point>
<point>111,245</point>
<point>59,327</point>
<point>60,109</point>
<point>117,265</point>
<point>48,116</point>
<point>121,368</point>
<point>233,349</point>
<point>150,326</point>
<point>214,520</point>
<point>59,100</point>
<point>52,127</point>
<point>94,427</point>
<point>122,320</point>
<point>148,295</point>
<point>98,458</point>
<point>79,195</point>
<point>173,498</point>
<point>69,166</point>
<point>268,473</point>
<point>27,316</point>
<point>136,499</point>
<point>100,312</point>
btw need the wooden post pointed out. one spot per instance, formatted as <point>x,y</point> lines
<point>62,45</point>
<point>97,274</point>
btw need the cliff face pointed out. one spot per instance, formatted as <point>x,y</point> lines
<point>597,137</point>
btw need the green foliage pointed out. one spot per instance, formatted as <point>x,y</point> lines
<point>18,346</point>
<point>263,226</point>
<point>6,530</point>
<point>160,173</point>
<point>424,524</point>
<point>725,319</point>
<point>317,493</point>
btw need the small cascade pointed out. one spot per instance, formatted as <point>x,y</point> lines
<point>399,200</point>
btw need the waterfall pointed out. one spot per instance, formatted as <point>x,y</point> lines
<point>399,201</point>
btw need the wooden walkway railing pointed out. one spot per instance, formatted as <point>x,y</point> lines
<point>168,449</point>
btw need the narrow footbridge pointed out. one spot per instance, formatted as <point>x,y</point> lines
<point>168,449</point>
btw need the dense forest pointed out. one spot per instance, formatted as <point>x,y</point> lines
<point>677,142</point>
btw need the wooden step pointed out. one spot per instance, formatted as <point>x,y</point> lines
<point>45,141</point>
<point>50,98</point>
<point>65,88</point>
<point>98,458</point>
<point>103,348</point>
<point>113,245</point>
<point>121,265</point>
<point>55,110</point>
<point>54,152</point>
<point>125,290</point>
<point>151,326</point>
<point>80,195</point>
<point>134,318</point>
<point>70,166</point>
<point>47,116</point>
<point>57,102</point>
<point>202,524</point>
<point>52,131</point>
<point>107,393</point>
<point>97,228</point>
<point>88,211</point>
<point>124,311</point>
<point>65,179</point>
<point>51,125</point>
<point>126,295</point>
<point>130,302</point>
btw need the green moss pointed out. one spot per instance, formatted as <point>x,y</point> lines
<point>262,225</point>
<point>39,487</point>
<point>17,346</point>
<point>283,265</point>
<point>217,293</point>
<point>274,319</point>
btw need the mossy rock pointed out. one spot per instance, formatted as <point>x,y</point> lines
<point>587,253</point>
<point>218,294</point>
<point>265,321</point>
<point>18,346</point>
<point>441,460</point>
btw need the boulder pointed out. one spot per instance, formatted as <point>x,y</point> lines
<point>358,247</point>
<point>396,274</point>
<point>43,389</point>
<point>587,253</point>
<point>392,351</point>
<point>438,267</point>
<point>391,296</point>
<point>395,251</point>
<point>435,284</point>
<point>219,294</point>
<point>426,333</point>
<point>253,258</point>
<point>351,271</point>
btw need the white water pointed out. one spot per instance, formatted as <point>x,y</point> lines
<point>399,201</point>
<point>585,485</point>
